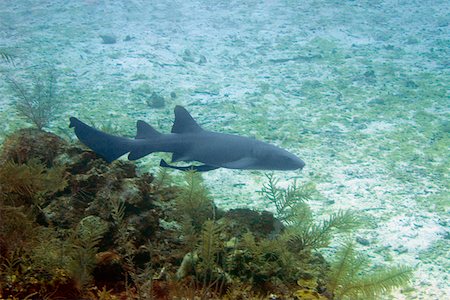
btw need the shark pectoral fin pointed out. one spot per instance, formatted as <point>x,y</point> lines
<point>243,163</point>
<point>177,156</point>
<point>201,168</point>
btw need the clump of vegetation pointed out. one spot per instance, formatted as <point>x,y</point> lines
<point>349,278</point>
<point>140,238</point>
<point>38,103</point>
<point>6,56</point>
<point>29,183</point>
<point>162,178</point>
<point>285,200</point>
<point>306,234</point>
<point>193,203</point>
<point>302,231</point>
<point>16,228</point>
<point>84,242</point>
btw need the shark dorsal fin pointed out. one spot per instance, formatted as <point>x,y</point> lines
<point>145,131</point>
<point>184,122</point>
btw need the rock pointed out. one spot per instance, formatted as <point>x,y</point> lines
<point>411,84</point>
<point>202,60</point>
<point>145,93</point>
<point>156,101</point>
<point>376,101</point>
<point>90,226</point>
<point>31,143</point>
<point>109,269</point>
<point>401,249</point>
<point>128,38</point>
<point>61,213</point>
<point>108,39</point>
<point>130,193</point>
<point>362,241</point>
<point>187,56</point>
<point>187,265</point>
<point>261,224</point>
<point>143,225</point>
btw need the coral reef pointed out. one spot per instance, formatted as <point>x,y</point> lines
<point>73,226</point>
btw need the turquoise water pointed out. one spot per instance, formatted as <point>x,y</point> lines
<point>358,89</point>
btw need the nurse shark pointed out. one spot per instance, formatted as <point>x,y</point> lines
<point>189,142</point>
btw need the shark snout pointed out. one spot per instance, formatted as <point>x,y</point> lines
<point>290,161</point>
<point>300,163</point>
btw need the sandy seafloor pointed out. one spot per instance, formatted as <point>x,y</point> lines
<point>358,89</point>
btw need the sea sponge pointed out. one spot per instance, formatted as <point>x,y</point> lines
<point>307,294</point>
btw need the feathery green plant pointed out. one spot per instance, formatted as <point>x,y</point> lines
<point>162,178</point>
<point>193,201</point>
<point>305,234</point>
<point>39,103</point>
<point>209,244</point>
<point>285,200</point>
<point>16,229</point>
<point>29,183</point>
<point>349,279</point>
<point>141,277</point>
<point>6,56</point>
<point>302,233</point>
<point>209,270</point>
<point>122,234</point>
<point>117,210</point>
<point>84,240</point>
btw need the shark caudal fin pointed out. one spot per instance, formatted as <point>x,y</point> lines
<point>108,146</point>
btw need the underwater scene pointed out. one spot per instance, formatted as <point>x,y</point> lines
<point>196,149</point>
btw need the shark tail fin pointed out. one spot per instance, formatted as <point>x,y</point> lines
<point>108,146</point>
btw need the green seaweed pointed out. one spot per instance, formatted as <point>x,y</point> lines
<point>6,56</point>
<point>221,251</point>
<point>303,233</point>
<point>306,234</point>
<point>208,266</point>
<point>349,279</point>
<point>37,103</point>
<point>285,200</point>
<point>30,183</point>
<point>84,241</point>
<point>193,202</point>
<point>162,178</point>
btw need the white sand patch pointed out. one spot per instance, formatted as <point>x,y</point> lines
<point>378,127</point>
<point>413,233</point>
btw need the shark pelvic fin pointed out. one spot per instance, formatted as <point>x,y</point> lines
<point>184,122</point>
<point>180,156</point>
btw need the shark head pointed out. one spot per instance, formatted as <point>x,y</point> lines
<point>270,157</point>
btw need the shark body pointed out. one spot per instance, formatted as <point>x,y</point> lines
<point>189,142</point>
